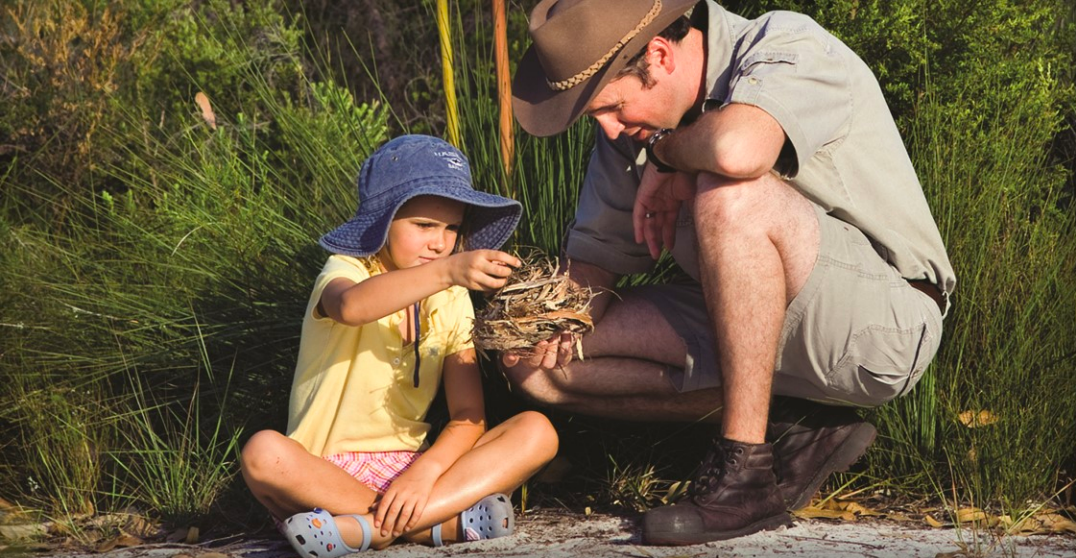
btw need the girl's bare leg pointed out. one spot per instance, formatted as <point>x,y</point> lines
<point>287,479</point>
<point>501,461</point>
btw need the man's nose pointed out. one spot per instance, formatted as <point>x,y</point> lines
<point>610,125</point>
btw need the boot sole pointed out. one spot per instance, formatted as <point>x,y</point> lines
<point>850,450</point>
<point>681,539</point>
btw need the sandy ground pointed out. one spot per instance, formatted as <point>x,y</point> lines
<point>561,534</point>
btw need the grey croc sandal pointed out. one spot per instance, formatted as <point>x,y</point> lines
<point>314,534</point>
<point>490,518</point>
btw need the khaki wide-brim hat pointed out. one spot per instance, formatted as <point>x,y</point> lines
<point>578,47</point>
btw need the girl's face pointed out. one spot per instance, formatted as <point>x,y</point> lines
<point>424,229</point>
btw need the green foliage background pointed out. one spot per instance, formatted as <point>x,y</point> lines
<point>153,268</point>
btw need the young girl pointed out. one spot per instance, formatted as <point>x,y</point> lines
<point>388,321</point>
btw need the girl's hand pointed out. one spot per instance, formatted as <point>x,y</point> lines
<point>401,506</point>
<point>481,270</point>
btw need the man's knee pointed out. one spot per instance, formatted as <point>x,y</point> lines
<point>740,204</point>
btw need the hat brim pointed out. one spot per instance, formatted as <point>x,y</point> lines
<point>490,223</point>
<point>543,111</point>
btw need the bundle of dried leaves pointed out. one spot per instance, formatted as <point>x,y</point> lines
<point>534,305</point>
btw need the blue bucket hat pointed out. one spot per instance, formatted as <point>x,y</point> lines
<point>416,165</point>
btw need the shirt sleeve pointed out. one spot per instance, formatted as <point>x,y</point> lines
<point>793,69</point>
<point>462,311</point>
<point>602,232</point>
<point>336,267</point>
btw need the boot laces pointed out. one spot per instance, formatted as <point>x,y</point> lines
<point>712,470</point>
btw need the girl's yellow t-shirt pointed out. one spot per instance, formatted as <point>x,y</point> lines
<point>354,386</point>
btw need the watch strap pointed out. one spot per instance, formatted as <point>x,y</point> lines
<point>652,157</point>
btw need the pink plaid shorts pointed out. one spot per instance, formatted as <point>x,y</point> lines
<point>375,469</point>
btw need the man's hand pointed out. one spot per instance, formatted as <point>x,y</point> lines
<point>549,354</point>
<point>657,206</point>
<point>481,270</point>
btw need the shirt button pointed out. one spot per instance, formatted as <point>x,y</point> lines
<point>752,81</point>
<point>396,361</point>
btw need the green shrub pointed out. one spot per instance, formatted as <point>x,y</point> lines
<point>150,262</point>
<point>74,71</point>
<point>191,253</point>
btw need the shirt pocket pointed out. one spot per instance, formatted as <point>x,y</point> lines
<point>752,74</point>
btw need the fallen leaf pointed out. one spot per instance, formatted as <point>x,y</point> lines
<point>207,110</point>
<point>106,545</point>
<point>971,419</point>
<point>1057,523</point>
<point>141,527</point>
<point>23,531</point>
<point>850,506</point>
<point>966,515</point>
<point>845,510</point>
<point>815,513</point>
<point>192,536</point>
<point>933,522</point>
<point>126,540</point>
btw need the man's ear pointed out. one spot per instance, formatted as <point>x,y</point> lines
<point>660,55</point>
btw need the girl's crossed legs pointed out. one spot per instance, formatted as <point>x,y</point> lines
<point>287,479</point>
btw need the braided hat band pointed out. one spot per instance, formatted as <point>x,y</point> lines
<point>586,74</point>
<point>579,46</point>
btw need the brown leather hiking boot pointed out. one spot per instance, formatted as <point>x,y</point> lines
<point>811,441</point>
<point>734,494</point>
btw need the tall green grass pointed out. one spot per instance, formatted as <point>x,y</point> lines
<point>151,288</point>
<point>160,316</point>
<point>170,460</point>
<point>547,172</point>
<point>1008,348</point>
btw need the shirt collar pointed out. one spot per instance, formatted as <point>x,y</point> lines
<point>723,28</point>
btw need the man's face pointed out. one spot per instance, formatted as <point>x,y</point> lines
<point>626,106</point>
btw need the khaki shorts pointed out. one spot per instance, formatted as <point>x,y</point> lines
<point>856,334</point>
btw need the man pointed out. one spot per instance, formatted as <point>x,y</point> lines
<point>762,155</point>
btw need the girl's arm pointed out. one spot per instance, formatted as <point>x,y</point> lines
<point>402,504</point>
<point>356,304</point>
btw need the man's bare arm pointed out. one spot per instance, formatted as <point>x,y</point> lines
<point>600,281</point>
<point>737,141</point>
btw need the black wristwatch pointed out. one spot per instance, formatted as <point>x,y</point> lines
<point>653,158</point>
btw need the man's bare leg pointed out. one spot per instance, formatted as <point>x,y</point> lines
<point>624,374</point>
<point>758,242</point>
